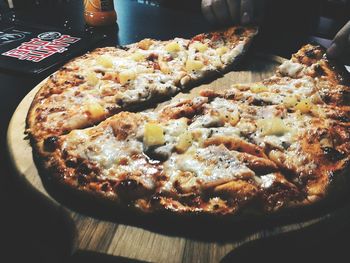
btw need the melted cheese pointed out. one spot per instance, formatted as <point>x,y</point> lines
<point>211,165</point>
<point>100,149</point>
<point>291,69</point>
<point>111,156</point>
<point>267,180</point>
<point>111,77</point>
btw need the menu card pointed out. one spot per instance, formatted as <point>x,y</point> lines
<point>33,50</point>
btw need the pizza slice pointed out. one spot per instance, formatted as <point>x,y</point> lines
<point>263,147</point>
<point>99,84</point>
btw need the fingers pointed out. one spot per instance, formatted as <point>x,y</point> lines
<point>341,44</point>
<point>207,11</point>
<point>233,11</point>
<point>247,9</point>
<point>221,11</point>
<point>216,11</point>
<point>234,7</point>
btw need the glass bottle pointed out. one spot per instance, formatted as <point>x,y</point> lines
<point>99,12</point>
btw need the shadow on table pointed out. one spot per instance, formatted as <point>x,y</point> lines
<point>94,257</point>
<point>327,241</point>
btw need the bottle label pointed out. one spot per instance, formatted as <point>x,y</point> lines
<point>98,5</point>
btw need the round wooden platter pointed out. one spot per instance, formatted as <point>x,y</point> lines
<point>135,242</point>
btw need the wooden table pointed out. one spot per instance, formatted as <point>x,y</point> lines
<point>153,240</point>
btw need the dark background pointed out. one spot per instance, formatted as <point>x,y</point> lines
<point>30,231</point>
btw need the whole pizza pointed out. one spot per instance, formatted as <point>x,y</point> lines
<point>264,147</point>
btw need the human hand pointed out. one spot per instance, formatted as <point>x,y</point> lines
<point>340,48</point>
<point>233,11</point>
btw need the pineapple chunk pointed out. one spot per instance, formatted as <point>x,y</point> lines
<point>137,56</point>
<point>185,141</point>
<point>241,87</point>
<point>257,88</point>
<point>172,47</point>
<point>164,67</point>
<point>234,118</point>
<point>273,126</point>
<point>105,61</point>
<point>221,50</point>
<point>92,78</point>
<point>290,101</point>
<point>153,135</point>
<point>304,106</point>
<point>126,75</point>
<point>95,110</point>
<point>145,44</point>
<point>199,46</point>
<point>194,65</point>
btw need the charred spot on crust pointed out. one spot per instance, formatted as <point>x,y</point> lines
<point>82,179</point>
<point>128,184</point>
<point>119,102</point>
<point>41,118</point>
<point>79,77</point>
<point>310,54</point>
<point>155,198</point>
<point>113,110</point>
<point>260,102</point>
<point>65,68</point>
<point>332,154</point>
<point>343,118</point>
<point>326,98</point>
<point>239,31</point>
<point>279,194</point>
<point>286,145</point>
<point>319,70</point>
<point>346,97</point>
<point>176,185</point>
<point>83,168</point>
<point>131,189</point>
<point>123,48</point>
<point>192,200</point>
<point>71,163</point>
<point>50,143</point>
<point>105,186</point>
<point>100,71</point>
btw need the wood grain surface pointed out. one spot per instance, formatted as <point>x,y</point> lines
<point>139,242</point>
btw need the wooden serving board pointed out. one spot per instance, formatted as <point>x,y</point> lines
<point>130,241</point>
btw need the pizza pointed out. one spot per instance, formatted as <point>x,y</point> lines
<point>259,148</point>
<point>108,80</point>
